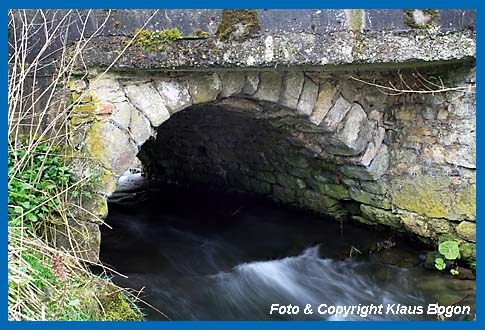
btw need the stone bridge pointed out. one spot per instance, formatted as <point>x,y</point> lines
<point>355,115</point>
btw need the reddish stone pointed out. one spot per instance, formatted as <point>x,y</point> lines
<point>104,109</point>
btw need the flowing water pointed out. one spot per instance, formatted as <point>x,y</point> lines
<point>207,256</point>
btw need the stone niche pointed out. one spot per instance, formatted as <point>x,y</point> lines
<point>327,142</point>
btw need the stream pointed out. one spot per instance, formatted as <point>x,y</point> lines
<point>209,256</point>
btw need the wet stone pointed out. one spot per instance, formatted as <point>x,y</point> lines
<point>398,257</point>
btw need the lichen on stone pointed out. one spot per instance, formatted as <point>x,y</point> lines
<point>238,24</point>
<point>428,15</point>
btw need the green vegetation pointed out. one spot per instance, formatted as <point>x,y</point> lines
<point>238,24</point>
<point>47,188</point>
<point>35,189</point>
<point>46,283</point>
<point>449,253</point>
<point>156,40</point>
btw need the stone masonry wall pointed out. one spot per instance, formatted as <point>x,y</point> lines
<point>229,150</point>
<point>324,141</point>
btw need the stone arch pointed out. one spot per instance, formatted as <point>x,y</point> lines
<point>339,122</point>
<point>123,111</point>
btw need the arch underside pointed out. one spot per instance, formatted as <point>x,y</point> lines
<point>322,141</point>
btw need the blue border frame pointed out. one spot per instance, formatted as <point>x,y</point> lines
<point>215,4</point>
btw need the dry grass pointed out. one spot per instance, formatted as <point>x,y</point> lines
<point>45,282</point>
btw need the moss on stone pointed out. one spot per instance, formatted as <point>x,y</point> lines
<point>204,88</point>
<point>468,251</point>
<point>368,198</point>
<point>322,204</point>
<point>85,108</point>
<point>363,220</point>
<point>116,307</point>
<point>266,176</point>
<point>381,216</point>
<point>296,161</point>
<point>287,181</point>
<point>467,230</point>
<point>199,34</point>
<point>283,194</point>
<point>435,197</point>
<point>333,190</point>
<point>260,187</point>
<point>156,40</point>
<point>238,24</point>
<point>79,120</point>
<point>80,98</point>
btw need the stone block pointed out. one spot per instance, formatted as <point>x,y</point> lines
<point>232,83</point>
<point>372,172</point>
<point>260,187</point>
<point>204,88</point>
<point>265,176</point>
<point>324,102</point>
<point>106,88</point>
<point>269,86</point>
<point>336,114</point>
<point>283,194</point>
<point>111,146</point>
<point>146,99</point>
<point>308,97</point>
<point>321,203</point>
<point>287,181</point>
<point>122,114</point>
<point>362,196</point>
<point>336,191</point>
<point>355,131</point>
<point>380,216</point>
<point>364,220</point>
<point>251,83</point>
<point>378,187</point>
<point>93,209</point>
<point>435,197</point>
<point>461,155</point>
<point>174,93</point>
<point>467,230</point>
<point>296,160</point>
<point>372,147</point>
<point>140,127</point>
<point>292,87</point>
<point>416,224</point>
<point>81,238</point>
